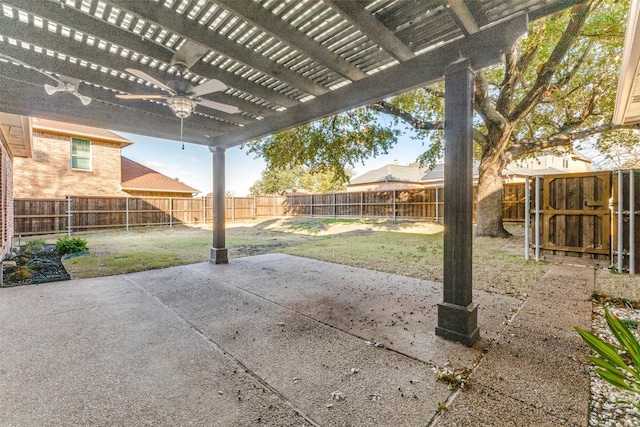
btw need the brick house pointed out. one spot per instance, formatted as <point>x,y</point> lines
<point>16,143</point>
<point>75,160</point>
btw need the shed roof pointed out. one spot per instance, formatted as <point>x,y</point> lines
<point>141,178</point>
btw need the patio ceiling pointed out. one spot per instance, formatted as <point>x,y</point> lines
<point>284,62</point>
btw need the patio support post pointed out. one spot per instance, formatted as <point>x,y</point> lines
<point>457,314</point>
<point>218,250</point>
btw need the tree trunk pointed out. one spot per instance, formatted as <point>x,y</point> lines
<point>489,213</point>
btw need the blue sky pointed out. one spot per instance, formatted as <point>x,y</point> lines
<point>193,164</point>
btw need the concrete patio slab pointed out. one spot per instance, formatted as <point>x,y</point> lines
<point>268,340</point>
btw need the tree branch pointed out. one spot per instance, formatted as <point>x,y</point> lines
<point>388,108</point>
<point>579,15</point>
<point>562,138</point>
<point>482,103</point>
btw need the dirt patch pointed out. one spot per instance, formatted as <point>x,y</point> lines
<point>40,267</point>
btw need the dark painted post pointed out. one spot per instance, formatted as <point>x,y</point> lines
<point>457,314</point>
<point>218,250</point>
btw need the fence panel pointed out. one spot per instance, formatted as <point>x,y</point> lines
<point>576,220</point>
<point>40,216</point>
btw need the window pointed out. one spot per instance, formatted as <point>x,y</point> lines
<point>80,154</point>
<point>565,163</point>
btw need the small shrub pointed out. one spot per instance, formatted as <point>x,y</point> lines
<point>21,260</point>
<point>617,364</point>
<point>68,245</point>
<point>22,273</point>
<point>32,247</point>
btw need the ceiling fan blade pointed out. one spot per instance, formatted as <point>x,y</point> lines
<point>84,99</point>
<point>51,89</point>
<point>218,106</point>
<point>210,86</point>
<point>147,77</point>
<point>124,96</point>
<point>190,52</point>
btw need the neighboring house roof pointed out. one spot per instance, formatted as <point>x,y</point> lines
<point>516,170</point>
<point>141,178</point>
<point>80,131</point>
<point>401,173</point>
<point>16,132</point>
<point>391,172</point>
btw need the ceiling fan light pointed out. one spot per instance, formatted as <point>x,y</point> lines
<point>181,106</point>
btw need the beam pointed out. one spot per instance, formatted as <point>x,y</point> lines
<point>291,36</point>
<point>218,250</point>
<point>463,17</point>
<point>354,12</point>
<point>457,314</point>
<point>482,49</point>
<point>18,97</point>
<point>180,24</point>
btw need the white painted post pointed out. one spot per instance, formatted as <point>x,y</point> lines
<point>537,216</point>
<point>170,212</point>
<point>127,212</point>
<point>311,206</point>
<point>204,210</point>
<point>620,222</point>
<point>68,215</point>
<point>527,216</point>
<point>274,206</point>
<point>361,205</point>
<point>255,207</point>
<point>632,223</point>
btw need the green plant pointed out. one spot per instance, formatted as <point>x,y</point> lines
<point>21,273</point>
<point>617,364</point>
<point>67,245</point>
<point>32,247</point>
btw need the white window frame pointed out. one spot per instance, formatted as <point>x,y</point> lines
<point>90,168</point>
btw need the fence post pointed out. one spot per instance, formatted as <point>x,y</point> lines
<point>620,222</point>
<point>255,207</point>
<point>204,210</point>
<point>334,204</point>
<point>527,216</point>
<point>126,214</point>
<point>437,204</point>
<point>233,208</point>
<point>68,215</point>
<point>361,205</point>
<point>274,206</point>
<point>632,224</point>
<point>170,212</point>
<point>394,204</point>
<point>537,216</point>
<point>311,205</point>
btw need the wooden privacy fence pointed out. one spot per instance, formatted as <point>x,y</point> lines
<point>589,218</point>
<point>82,213</point>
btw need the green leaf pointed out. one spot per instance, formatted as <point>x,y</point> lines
<point>614,380</point>
<point>604,349</point>
<point>626,339</point>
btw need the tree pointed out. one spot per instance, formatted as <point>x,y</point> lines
<point>277,180</point>
<point>554,87</point>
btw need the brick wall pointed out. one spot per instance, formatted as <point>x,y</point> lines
<point>6,200</point>
<point>49,174</point>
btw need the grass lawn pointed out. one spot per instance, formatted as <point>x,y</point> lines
<point>407,248</point>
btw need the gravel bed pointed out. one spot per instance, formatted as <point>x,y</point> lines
<point>606,408</point>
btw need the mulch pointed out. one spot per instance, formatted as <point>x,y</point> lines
<point>44,266</point>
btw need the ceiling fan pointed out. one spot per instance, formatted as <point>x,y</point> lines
<point>183,97</point>
<point>65,83</point>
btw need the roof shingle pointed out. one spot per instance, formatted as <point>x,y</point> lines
<point>139,177</point>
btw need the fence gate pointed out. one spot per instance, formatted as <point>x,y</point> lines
<point>576,218</point>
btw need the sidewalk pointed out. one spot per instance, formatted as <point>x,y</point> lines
<point>535,374</point>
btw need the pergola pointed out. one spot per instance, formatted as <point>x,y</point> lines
<point>283,63</point>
